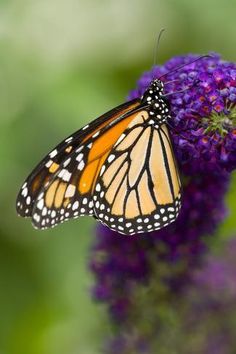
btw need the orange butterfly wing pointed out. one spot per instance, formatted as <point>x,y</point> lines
<point>69,193</point>
<point>139,189</point>
<point>51,163</point>
<point>120,169</point>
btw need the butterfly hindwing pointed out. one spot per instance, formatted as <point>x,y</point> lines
<point>138,189</point>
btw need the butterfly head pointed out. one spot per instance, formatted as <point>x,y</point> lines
<point>154,98</point>
<point>157,85</point>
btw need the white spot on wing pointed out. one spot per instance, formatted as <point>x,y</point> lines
<point>79,157</point>
<point>70,191</point>
<point>111,158</point>
<point>171,209</point>
<point>41,195</point>
<point>40,204</point>
<point>53,153</point>
<point>96,134</point>
<point>49,163</point>
<point>66,163</point>
<point>81,165</point>
<point>98,187</point>
<point>79,149</point>
<point>36,217</point>
<point>61,173</point>
<point>75,205</point>
<point>28,200</point>
<point>24,192</point>
<point>66,176</point>
<point>102,169</point>
<point>44,212</point>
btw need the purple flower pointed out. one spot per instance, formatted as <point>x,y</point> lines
<point>127,344</point>
<point>201,320</point>
<point>203,116</point>
<point>217,276</point>
<point>159,264</point>
<point>119,262</point>
<point>211,302</point>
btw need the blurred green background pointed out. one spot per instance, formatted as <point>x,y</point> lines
<point>63,63</point>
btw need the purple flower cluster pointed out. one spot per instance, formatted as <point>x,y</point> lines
<point>211,302</point>
<point>217,277</point>
<point>204,315</point>
<point>119,262</point>
<point>202,98</point>
<point>204,113</point>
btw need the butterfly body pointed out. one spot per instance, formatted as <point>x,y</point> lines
<point>120,169</point>
<point>157,105</point>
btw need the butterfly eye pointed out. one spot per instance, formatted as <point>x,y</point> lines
<point>160,84</point>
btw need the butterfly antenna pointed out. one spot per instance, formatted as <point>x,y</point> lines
<point>183,65</point>
<point>184,90</point>
<point>157,46</point>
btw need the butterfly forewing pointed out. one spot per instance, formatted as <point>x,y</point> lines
<point>46,170</point>
<point>138,188</point>
<point>69,193</point>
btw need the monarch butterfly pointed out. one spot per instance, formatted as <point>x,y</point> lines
<point>120,169</point>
